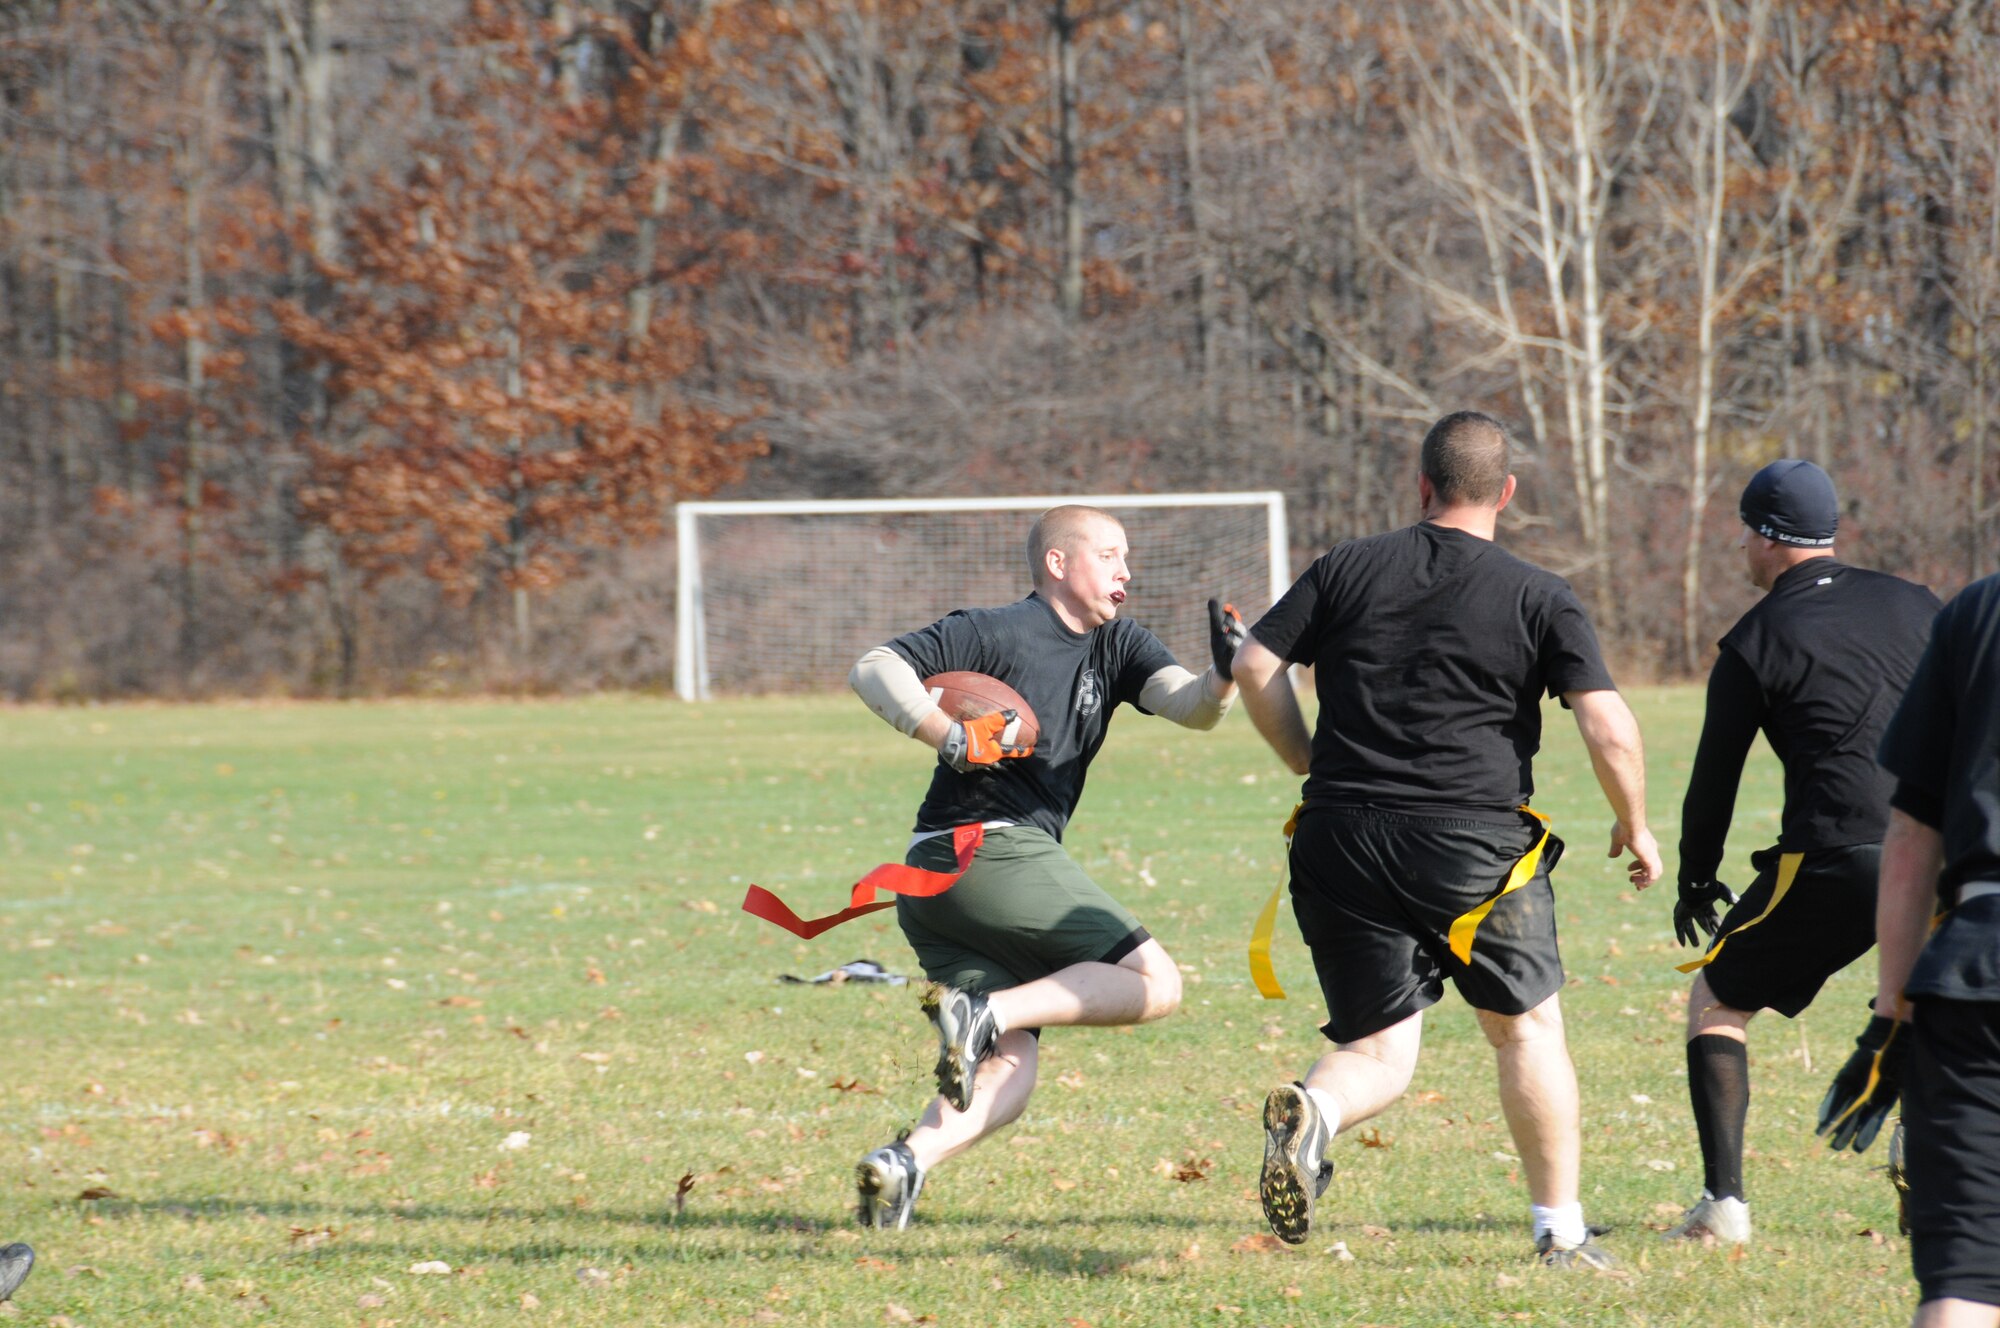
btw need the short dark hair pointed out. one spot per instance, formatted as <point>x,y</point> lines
<point>1465,458</point>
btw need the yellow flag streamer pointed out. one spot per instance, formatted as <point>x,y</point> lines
<point>1261,972</point>
<point>1466,924</point>
<point>1788,870</point>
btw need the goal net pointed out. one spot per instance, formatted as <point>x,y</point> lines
<point>785,596</point>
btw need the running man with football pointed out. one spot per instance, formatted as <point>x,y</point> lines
<point>1024,940</point>
<point>1416,856</point>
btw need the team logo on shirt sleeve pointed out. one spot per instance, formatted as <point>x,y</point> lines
<point>1088,695</point>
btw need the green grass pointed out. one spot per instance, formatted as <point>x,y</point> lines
<point>279,982</point>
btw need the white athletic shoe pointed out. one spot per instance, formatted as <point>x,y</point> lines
<point>887,1183</point>
<point>1724,1221</point>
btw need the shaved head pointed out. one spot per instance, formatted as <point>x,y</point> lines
<point>1061,528</point>
<point>1465,458</point>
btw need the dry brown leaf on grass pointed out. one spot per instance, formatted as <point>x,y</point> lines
<point>97,1192</point>
<point>681,1192</point>
<point>1374,1139</point>
<point>1262,1242</point>
<point>852,1086</point>
<point>309,1237</point>
<point>430,1268</point>
<point>530,1301</point>
<point>1194,1168</point>
<point>593,1277</point>
<point>874,1264</point>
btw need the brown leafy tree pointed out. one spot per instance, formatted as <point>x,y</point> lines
<point>494,405</point>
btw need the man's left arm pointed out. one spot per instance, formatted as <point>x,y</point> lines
<point>1618,758</point>
<point>1198,701</point>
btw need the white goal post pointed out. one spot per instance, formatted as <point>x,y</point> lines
<point>786,595</point>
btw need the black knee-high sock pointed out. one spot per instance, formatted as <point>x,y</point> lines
<point>1719,1088</point>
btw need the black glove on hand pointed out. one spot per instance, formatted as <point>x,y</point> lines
<point>1225,636</point>
<point>1694,915</point>
<point>1866,1089</point>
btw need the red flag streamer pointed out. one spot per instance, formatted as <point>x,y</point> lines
<point>891,876</point>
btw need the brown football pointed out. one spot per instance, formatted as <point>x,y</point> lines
<point>964,695</point>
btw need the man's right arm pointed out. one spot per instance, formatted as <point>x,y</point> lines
<point>1266,688</point>
<point>1729,725</point>
<point>892,689</point>
<point>1618,757</point>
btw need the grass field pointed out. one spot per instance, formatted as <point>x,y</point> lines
<point>297,998</point>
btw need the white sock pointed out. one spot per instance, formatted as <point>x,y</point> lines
<point>999,1024</point>
<point>1563,1221</point>
<point>1329,1110</point>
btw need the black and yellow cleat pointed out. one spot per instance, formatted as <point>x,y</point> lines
<point>967,1034</point>
<point>1296,1170</point>
<point>887,1183</point>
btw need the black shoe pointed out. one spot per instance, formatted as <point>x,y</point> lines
<point>888,1181</point>
<point>967,1034</point>
<point>15,1262</point>
<point>1553,1253</point>
<point>1296,1169</point>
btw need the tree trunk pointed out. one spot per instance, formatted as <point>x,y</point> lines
<point>1063,25</point>
<point>1203,278</point>
<point>194,441</point>
<point>517,522</point>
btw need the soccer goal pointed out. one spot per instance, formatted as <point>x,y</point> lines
<point>785,596</point>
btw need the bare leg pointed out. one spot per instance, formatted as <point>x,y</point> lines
<point>1539,1098</point>
<point>1367,1075</point>
<point>1950,1312</point>
<point>1143,986</point>
<point>1706,1014</point>
<point>1006,1080</point>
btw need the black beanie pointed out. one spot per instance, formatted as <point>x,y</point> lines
<point>1793,502</point>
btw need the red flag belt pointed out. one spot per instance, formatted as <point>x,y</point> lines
<point>893,877</point>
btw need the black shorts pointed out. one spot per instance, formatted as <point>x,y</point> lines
<point>1806,916</point>
<point>1378,894</point>
<point>1951,1119</point>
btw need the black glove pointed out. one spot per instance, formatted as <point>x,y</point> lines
<point>1225,636</point>
<point>1866,1089</point>
<point>1694,915</point>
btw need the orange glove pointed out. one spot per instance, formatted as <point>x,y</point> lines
<point>981,742</point>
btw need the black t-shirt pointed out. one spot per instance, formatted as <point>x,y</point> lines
<point>1943,745</point>
<point>1432,650</point>
<point>1818,664</point>
<point>1072,680</point>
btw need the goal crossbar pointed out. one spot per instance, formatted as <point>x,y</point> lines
<point>691,679</point>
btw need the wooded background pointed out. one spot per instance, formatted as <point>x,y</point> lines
<point>364,345</point>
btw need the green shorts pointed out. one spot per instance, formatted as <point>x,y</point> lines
<point>1022,910</point>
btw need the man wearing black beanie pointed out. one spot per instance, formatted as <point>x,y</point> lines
<point>1818,665</point>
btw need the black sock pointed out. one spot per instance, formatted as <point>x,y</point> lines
<point>1719,1088</point>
